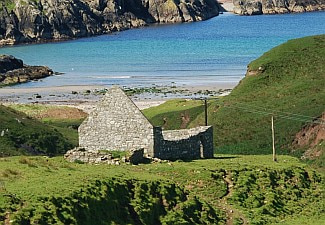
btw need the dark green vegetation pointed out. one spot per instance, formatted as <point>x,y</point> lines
<point>67,127</point>
<point>52,191</point>
<point>38,129</point>
<point>9,4</point>
<point>118,201</point>
<point>20,134</point>
<point>320,161</point>
<point>65,120</point>
<point>266,193</point>
<point>287,82</point>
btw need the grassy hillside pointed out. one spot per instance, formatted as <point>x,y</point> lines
<point>244,188</point>
<point>64,119</point>
<point>290,78</point>
<point>287,82</point>
<point>173,111</point>
<point>20,134</point>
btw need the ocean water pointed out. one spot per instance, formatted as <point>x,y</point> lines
<point>202,53</point>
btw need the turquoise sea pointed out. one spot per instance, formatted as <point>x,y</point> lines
<point>213,51</point>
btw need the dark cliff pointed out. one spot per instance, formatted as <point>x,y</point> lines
<point>257,7</point>
<point>46,20</point>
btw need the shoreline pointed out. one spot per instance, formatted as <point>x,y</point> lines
<point>86,96</point>
<point>103,26</point>
<point>225,6</point>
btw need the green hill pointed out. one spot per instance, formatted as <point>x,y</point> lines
<point>224,190</point>
<point>288,82</point>
<point>20,134</point>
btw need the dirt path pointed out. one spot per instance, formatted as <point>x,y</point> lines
<point>231,212</point>
<point>7,219</point>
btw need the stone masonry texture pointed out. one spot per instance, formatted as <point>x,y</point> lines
<point>192,143</point>
<point>117,124</point>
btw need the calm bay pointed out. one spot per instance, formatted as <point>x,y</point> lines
<point>202,53</point>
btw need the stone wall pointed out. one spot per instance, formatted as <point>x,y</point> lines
<point>192,143</point>
<point>116,124</point>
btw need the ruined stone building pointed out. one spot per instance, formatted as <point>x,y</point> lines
<point>118,124</point>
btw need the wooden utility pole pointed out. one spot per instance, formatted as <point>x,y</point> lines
<point>273,141</point>
<point>206,111</point>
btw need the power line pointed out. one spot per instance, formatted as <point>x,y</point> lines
<point>278,114</point>
<point>282,116</point>
<point>294,114</point>
<point>265,113</point>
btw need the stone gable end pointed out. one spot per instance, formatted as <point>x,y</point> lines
<point>116,124</point>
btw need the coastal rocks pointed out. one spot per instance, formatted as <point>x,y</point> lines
<point>257,7</point>
<point>103,157</point>
<point>312,138</point>
<point>13,71</point>
<point>247,8</point>
<point>8,62</point>
<point>251,72</point>
<point>46,20</point>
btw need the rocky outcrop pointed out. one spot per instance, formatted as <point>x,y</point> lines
<point>104,157</point>
<point>13,71</point>
<point>46,20</point>
<point>8,63</point>
<point>257,7</point>
<point>312,138</point>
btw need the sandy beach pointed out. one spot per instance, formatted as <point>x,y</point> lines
<point>85,97</point>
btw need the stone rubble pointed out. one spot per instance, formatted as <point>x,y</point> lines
<point>103,157</point>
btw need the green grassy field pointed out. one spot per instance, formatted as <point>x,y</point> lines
<point>288,83</point>
<point>51,190</point>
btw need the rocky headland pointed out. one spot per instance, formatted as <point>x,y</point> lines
<point>258,7</point>
<point>14,71</point>
<point>25,21</point>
